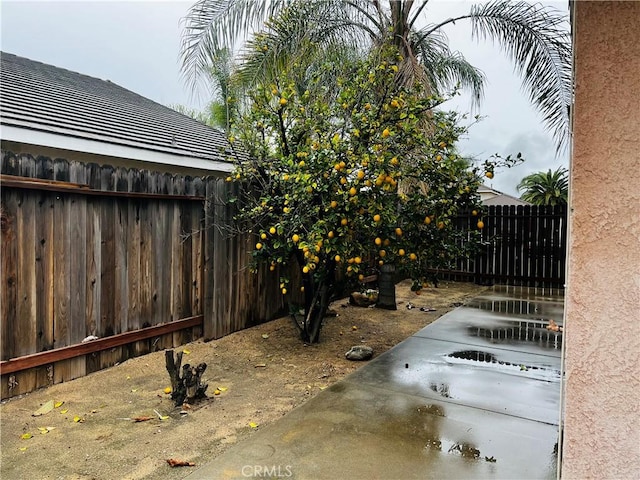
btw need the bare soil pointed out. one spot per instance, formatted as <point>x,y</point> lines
<point>262,372</point>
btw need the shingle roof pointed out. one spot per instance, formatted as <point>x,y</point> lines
<point>45,98</point>
<point>498,198</point>
<point>505,199</point>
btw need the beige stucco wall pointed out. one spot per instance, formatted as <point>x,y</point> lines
<point>602,389</point>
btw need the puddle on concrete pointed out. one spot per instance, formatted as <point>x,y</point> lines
<point>488,359</point>
<point>525,331</point>
<point>474,355</point>
<point>520,307</point>
<point>465,450</point>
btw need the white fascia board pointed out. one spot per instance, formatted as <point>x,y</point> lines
<point>84,145</point>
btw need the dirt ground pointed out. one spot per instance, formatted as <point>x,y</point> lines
<point>262,372</point>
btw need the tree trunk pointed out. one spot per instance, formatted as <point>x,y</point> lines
<point>188,386</point>
<point>387,287</point>
<point>317,297</point>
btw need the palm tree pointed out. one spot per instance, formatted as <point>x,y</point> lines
<point>534,37</point>
<point>546,188</point>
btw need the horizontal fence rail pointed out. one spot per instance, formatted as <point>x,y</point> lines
<point>521,246</point>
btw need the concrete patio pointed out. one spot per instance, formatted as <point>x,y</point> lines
<point>476,394</point>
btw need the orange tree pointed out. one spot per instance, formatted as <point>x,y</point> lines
<point>359,176</point>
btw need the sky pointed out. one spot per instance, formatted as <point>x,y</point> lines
<point>136,44</point>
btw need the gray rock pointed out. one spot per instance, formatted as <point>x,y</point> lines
<point>359,352</point>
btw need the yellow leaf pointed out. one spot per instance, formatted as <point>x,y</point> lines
<point>64,411</point>
<point>23,449</point>
<point>167,390</point>
<point>43,430</point>
<point>253,425</point>
<point>78,419</point>
<point>223,389</point>
<point>216,392</point>
<point>58,404</point>
<point>26,436</point>
<point>44,409</point>
<point>128,377</point>
<point>186,352</point>
<point>134,390</point>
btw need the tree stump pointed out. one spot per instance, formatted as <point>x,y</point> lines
<point>188,386</point>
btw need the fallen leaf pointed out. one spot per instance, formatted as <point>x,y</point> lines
<point>78,419</point>
<point>253,425</point>
<point>186,352</point>
<point>44,409</point>
<point>64,411</point>
<point>141,419</point>
<point>167,390</point>
<point>26,436</point>
<point>553,326</point>
<point>322,387</point>
<point>58,404</point>
<point>128,377</point>
<point>265,335</point>
<point>223,389</point>
<point>179,463</point>
<point>23,449</point>
<point>216,392</point>
<point>134,390</point>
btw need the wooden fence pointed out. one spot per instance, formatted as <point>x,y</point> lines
<point>521,246</point>
<point>140,259</point>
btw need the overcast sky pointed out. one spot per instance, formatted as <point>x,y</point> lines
<point>136,45</point>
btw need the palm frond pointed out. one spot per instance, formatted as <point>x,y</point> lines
<point>537,39</point>
<point>445,69</point>
<point>303,33</point>
<point>213,24</point>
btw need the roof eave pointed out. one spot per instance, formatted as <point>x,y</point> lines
<point>100,147</point>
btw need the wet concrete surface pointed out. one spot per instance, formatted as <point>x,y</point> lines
<point>528,384</point>
<point>445,403</point>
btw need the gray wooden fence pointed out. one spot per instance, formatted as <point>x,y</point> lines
<point>140,259</point>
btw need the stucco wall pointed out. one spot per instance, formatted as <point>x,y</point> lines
<point>602,414</point>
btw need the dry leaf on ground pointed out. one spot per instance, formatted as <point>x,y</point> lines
<point>141,419</point>
<point>44,409</point>
<point>179,463</point>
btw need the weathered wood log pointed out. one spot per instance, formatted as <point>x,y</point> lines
<point>187,387</point>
